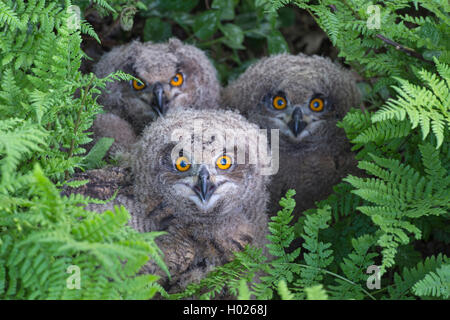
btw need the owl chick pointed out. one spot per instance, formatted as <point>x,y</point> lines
<point>171,75</point>
<point>191,176</point>
<point>303,97</point>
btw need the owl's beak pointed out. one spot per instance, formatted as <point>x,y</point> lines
<point>297,124</point>
<point>204,187</point>
<point>158,93</point>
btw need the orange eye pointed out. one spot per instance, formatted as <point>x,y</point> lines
<point>182,164</point>
<point>279,103</point>
<point>177,80</point>
<point>316,104</point>
<point>138,85</point>
<point>223,162</point>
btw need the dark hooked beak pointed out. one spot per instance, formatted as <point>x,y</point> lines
<point>204,187</point>
<point>158,92</point>
<point>297,124</point>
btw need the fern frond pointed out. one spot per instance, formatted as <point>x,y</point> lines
<point>50,236</point>
<point>319,254</point>
<point>354,267</point>
<point>423,105</point>
<point>284,292</point>
<point>436,284</point>
<point>316,293</point>
<point>9,17</point>
<point>18,140</point>
<point>405,281</point>
<point>244,292</point>
<point>400,193</point>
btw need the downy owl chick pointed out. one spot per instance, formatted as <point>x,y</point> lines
<point>192,177</point>
<point>171,75</point>
<point>303,97</point>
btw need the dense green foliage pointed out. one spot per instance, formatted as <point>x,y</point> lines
<point>46,105</point>
<point>395,217</point>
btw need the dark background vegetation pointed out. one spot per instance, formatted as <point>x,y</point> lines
<point>233,33</point>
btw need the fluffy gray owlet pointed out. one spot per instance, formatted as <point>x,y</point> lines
<point>304,97</point>
<point>196,187</point>
<point>172,75</point>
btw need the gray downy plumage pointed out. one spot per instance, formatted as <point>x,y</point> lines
<point>314,153</point>
<point>156,65</point>
<point>208,211</point>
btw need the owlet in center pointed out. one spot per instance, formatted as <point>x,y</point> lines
<point>191,176</point>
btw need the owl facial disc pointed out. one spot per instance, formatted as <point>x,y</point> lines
<point>297,121</point>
